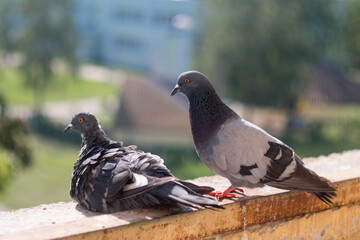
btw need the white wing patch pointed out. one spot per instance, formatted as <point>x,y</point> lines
<point>144,166</point>
<point>279,155</point>
<point>140,181</point>
<point>288,170</point>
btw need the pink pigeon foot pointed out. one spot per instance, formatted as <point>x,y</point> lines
<point>227,193</point>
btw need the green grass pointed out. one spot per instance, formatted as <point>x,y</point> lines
<point>47,180</point>
<point>63,87</point>
<point>333,112</point>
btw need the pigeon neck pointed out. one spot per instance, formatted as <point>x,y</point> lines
<point>207,114</point>
<point>91,138</point>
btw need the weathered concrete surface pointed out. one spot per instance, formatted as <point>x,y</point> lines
<point>262,214</point>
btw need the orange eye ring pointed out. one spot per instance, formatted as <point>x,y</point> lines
<point>80,119</point>
<point>187,80</point>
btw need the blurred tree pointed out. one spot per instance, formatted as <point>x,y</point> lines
<point>352,33</point>
<point>48,34</point>
<point>13,138</point>
<point>14,148</point>
<point>7,42</point>
<point>259,47</point>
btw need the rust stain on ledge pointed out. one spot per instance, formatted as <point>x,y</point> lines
<point>340,223</point>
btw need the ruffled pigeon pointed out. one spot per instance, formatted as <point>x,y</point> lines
<point>109,177</point>
<point>240,151</point>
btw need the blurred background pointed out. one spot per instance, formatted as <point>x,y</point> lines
<point>292,67</point>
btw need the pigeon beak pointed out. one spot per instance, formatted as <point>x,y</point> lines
<point>175,90</point>
<point>68,128</point>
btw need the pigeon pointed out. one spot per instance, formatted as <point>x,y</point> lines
<point>109,177</point>
<point>240,151</point>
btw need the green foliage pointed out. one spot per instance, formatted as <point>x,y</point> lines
<point>352,33</point>
<point>6,169</point>
<point>258,47</point>
<point>13,138</point>
<point>329,129</point>
<point>322,138</point>
<point>47,34</point>
<point>14,151</point>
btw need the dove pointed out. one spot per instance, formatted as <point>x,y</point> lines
<point>240,151</point>
<point>109,177</point>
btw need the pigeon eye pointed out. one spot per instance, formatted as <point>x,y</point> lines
<point>80,120</point>
<point>187,80</point>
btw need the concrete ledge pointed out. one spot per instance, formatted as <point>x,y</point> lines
<point>265,213</point>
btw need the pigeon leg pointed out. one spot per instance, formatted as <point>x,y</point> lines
<point>227,193</point>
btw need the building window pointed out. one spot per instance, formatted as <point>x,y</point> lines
<point>163,19</point>
<point>131,45</point>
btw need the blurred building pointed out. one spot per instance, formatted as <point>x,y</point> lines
<point>148,106</point>
<point>154,36</point>
<point>327,85</point>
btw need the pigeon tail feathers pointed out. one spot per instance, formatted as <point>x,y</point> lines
<point>181,194</point>
<point>304,179</point>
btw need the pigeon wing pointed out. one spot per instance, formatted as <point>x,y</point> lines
<point>129,172</point>
<point>237,152</point>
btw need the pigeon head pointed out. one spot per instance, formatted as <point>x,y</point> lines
<point>207,111</point>
<point>84,123</point>
<point>191,82</point>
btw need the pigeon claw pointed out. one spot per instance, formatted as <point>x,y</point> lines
<point>220,195</point>
<point>231,192</point>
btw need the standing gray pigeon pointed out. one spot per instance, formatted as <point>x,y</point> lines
<point>109,177</point>
<point>240,151</point>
